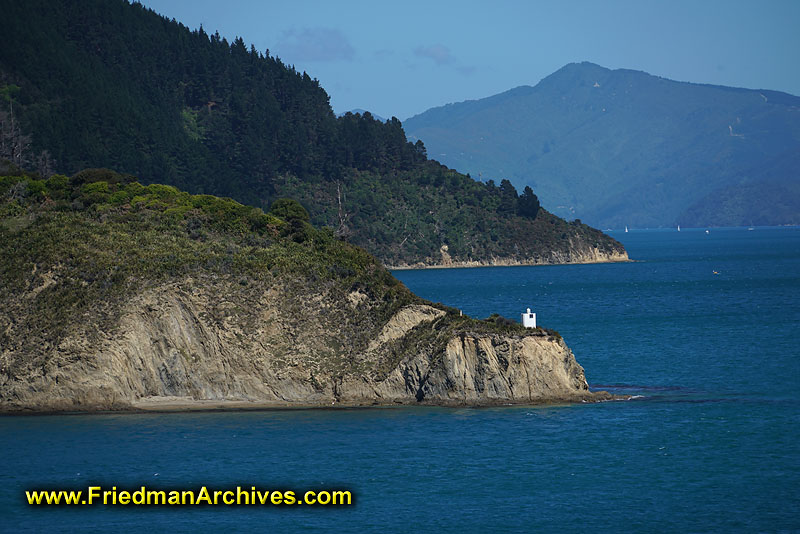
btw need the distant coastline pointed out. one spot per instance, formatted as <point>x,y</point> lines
<point>500,262</point>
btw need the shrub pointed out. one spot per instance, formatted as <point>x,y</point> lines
<point>120,197</point>
<point>501,321</point>
<point>156,204</point>
<point>94,193</point>
<point>138,201</point>
<point>289,209</point>
<point>204,202</point>
<point>36,189</point>
<point>87,176</point>
<point>57,182</point>
<point>95,187</point>
<point>11,209</point>
<point>6,183</point>
<point>163,192</point>
<point>178,212</point>
<point>134,189</point>
<point>300,231</point>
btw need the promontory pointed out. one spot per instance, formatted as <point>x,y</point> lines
<point>120,296</point>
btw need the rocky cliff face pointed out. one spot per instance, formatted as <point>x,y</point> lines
<point>207,343</point>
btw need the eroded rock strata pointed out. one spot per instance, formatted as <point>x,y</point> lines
<point>208,343</point>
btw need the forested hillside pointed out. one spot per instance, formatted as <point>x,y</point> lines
<point>104,83</point>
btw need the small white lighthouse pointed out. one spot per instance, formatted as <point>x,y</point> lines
<point>529,319</point>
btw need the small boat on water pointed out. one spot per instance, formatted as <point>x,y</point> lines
<point>626,229</point>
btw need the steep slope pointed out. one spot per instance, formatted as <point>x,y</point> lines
<point>104,83</point>
<point>761,196</point>
<point>121,296</point>
<point>622,147</point>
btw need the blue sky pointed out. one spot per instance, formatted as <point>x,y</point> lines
<point>402,57</point>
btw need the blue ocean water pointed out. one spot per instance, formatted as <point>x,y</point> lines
<point>704,328</point>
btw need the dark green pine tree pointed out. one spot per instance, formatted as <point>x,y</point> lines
<point>528,203</point>
<point>508,198</point>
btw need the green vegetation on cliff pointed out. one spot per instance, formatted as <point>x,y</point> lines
<point>102,236</point>
<point>109,84</point>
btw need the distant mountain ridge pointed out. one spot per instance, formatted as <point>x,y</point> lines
<point>623,147</point>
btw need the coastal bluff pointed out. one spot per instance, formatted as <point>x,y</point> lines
<point>197,344</point>
<point>119,296</point>
<point>576,253</point>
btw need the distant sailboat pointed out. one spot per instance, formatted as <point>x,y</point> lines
<point>679,227</point>
<point>626,229</point>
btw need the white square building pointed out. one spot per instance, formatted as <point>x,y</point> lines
<point>529,319</point>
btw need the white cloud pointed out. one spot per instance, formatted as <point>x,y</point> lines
<point>439,53</point>
<point>443,57</point>
<point>315,44</point>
